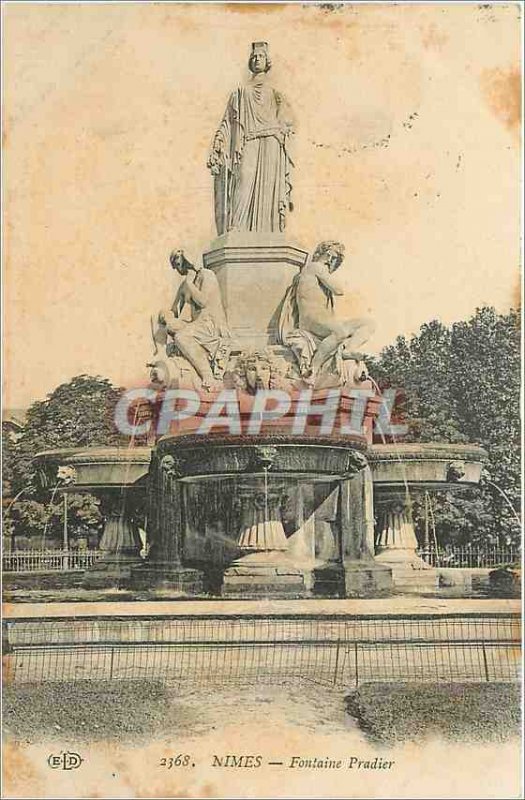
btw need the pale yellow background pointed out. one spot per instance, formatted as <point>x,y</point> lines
<point>109,112</point>
<point>432,770</point>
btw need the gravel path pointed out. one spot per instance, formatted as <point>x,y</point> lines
<point>127,711</point>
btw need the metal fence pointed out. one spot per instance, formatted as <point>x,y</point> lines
<point>340,651</point>
<point>48,560</point>
<point>64,560</point>
<point>470,557</point>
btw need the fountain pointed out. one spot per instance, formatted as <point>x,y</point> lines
<point>274,485</point>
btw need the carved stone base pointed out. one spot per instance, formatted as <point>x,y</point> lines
<point>113,571</point>
<point>157,575</point>
<point>329,581</point>
<point>367,579</point>
<point>409,572</point>
<point>254,272</point>
<point>120,545</point>
<point>266,575</point>
<point>396,546</point>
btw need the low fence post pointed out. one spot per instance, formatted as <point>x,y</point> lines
<point>338,648</point>
<point>485,663</point>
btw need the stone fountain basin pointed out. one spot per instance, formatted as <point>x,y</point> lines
<point>324,458</point>
<point>95,467</point>
<point>426,465</point>
<point>394,466</point>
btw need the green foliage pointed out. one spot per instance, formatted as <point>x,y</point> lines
<point>76,414</point>
<point>30,515</point>
<point>462,384</point>
<point>421,369</point>
<point>8,461</point>
<point>79,413</point>
<point>45,522</point>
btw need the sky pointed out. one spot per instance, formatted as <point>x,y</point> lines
<point>407,149</point>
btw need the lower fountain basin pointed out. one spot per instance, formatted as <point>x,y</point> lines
<point>272,514</point>
<point>193,458</point>
<point>427,465</point>
<point>95,468</point>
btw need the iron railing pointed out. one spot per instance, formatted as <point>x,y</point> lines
<point>63,560</point>
<point>337,650</point>
<point>470,557</point>
<point>48,560</point>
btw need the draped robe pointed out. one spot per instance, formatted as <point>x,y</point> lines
<point>253,187</point>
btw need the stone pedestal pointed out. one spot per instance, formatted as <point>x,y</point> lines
<point>120,545</point>
<point>266,569</point>
<point>163,567</point>
<point>396,545</point>
<point>325,540</point>
<point>254,271</point>
<point>266,574</point>
<point>164,575</point>
<point>367,579</point>
<point>362,575</point>
<point>261,524</point>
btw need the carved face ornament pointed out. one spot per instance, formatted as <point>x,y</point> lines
<point>258,374</point>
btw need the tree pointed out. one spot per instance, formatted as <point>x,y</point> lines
<point>79,413</point>
<point>462,384</point>
<point>28,519</point>
<point>420,370</point>
<point>486,365</point>
<point>8,462</point>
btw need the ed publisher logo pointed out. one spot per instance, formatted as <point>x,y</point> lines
<point>65,760</point>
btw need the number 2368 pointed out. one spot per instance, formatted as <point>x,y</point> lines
<point>182,760</point>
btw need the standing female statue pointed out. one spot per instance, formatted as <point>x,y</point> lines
<point>250,158</point>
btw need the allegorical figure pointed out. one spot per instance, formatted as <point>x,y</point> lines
<point>250,158</point>
<point>308,322</point>
<point>203,338</point>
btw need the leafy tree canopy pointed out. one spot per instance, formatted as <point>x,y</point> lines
<point>78,413</point>
<point>462,384</point>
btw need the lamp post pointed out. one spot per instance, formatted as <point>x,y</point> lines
<point>66,475</point>
<point>65,537</point>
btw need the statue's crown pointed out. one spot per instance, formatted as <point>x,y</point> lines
<point>259,46</point>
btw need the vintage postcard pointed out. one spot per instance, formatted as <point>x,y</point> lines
<point>261,403</point>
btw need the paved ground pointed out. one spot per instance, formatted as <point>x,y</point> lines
<point>381,607</point>
<point>305,718</point>
<point>273,724</point>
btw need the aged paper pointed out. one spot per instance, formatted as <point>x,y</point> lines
<point>244,198</point>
